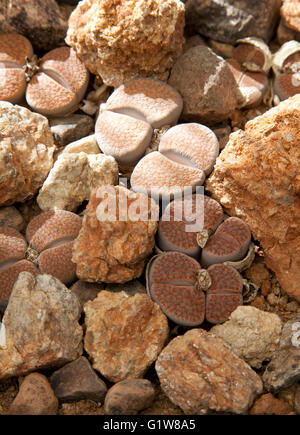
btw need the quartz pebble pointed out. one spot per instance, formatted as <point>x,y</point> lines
<point>252,334</point>
<point>49,321</point>
<point>35,397</point>
<point>86,145</point>
<point>199,372</point>
<point>139,38</point>
<point>72,179</point>
<point>77,381</point>
<point>128,397</point>
<point>124,334</point>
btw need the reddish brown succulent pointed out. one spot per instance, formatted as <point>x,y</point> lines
<point>12,260</point>
<point>172,283</point>
<point>225,293</point>
<point>172,232</point>
<point>52,234</point>
<point>229,243</point>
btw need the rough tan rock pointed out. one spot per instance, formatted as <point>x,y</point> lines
<point>35,397</point>
<point>40,20</point>
<point>40,326</point>
<point>199,372</point>
<point>261,166</point>
<point>128,38</point>
<point>124,334</point>
<point>26,152</point>
<point>252,334</point>
<point>73,177</point>
<point>267,404</point>
<point>207,86</point>
<point>116,237</point>
<point>290,12</point>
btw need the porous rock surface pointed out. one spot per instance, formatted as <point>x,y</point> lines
<point>267,404</point>
<point>40,20</point>
<point>26,152</point>
<point>284,368</point>
<point>40,326</point>
<point>207,86</point>
<point>199,373</point>
<point>73,177</point>
<point>111,247</point>
<point>260,165</point>
<point>228,20</point>
<point>290,12</point>
<point>124,334</point>
<point>124,39</point>
<point>252,334</point>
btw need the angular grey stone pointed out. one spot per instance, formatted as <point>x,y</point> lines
<point>284,368</point>
<point>78,381</point>
<point>71,128</point>
<point>229,20</point>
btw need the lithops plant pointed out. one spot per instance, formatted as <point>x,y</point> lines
<point>286,67</point>
<point>224,294</point>
<point>253,54</point>
<point>126,121</point>
<point>13,248</point>
<point>186,153</point>
<point>188,294</point>
<point>51,234</point>
<point>56,84</point>
<point>172,283</point>
<point>173,231</point>
<point>15,49</point>
<point>230,242</point>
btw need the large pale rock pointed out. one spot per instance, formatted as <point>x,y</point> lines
<point>87,144</point>
<point>252,334</point>
<point>40,20</point>
<point>73,177</point>
<point>229,20</point>
<point>208,88</point>
<point>26,152</point>
<point>117,235</point>
<point>133,39</point>
<point>124,334</point>
<point>199,372</point>
<point>284,368</point>
<point>40,326</point>
<point>256,178</point>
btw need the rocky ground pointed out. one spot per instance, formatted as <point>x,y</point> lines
<point>84,337</point>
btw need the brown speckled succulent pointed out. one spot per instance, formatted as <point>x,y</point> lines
<point>172,283</point>
<point>230,242</point>
<point>50,236</point>
<point>172,233</point>
<point>176,282</point>
<point>56,84</point>
<point>225,293</point>
<point>13,248</point>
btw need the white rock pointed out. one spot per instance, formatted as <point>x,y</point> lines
<point>87,145</point>
<point>73,177</point>
<point>252,334</point>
